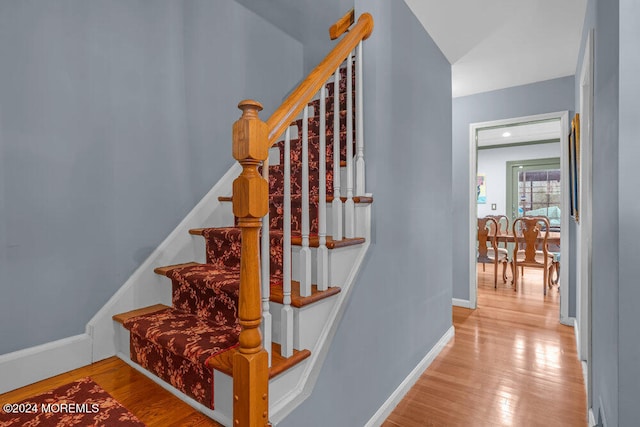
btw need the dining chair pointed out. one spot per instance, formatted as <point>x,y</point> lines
<point>503,225</point>
<point>530,250</point>
<point>488,250</point>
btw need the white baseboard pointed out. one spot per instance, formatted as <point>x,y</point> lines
<point>602,417</point>
<point>461,302</point>
<point>568,321</point>
<point>395,398</point>
<point>24,367</point>
<point>576,331</point>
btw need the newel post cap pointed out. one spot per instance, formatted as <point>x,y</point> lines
<point>250,134</point>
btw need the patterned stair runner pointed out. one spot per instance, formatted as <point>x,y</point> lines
<point>175,343</point>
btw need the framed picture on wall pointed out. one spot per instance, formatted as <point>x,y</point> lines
<point>481,189</point>
<point>574,167</point>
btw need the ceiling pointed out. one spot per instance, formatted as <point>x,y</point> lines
<point>538,131</point>
<point>494,44</point>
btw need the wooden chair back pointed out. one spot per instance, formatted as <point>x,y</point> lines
<point>502,224</point>
<point>527,230</point>
<point>486,239</point>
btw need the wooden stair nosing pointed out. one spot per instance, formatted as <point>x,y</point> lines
<point>164,270</point>
<point>314,242</point>
<point>123,317</point>
<point>276,295</point>
<point>356,199</point>
<point>223,362</point>
<point>297,301</point>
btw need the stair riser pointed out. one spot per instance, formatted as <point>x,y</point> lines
<point>340,261</point>
<point>309,322</point>
<point>362,212</point>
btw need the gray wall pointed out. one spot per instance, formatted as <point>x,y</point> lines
<point>305,20</point>
<point>605,274</point>
<point>536,98</point>
<point>401,303</point>
<point>615,293</point>
<point>629,213</point>
<point>115,119</point>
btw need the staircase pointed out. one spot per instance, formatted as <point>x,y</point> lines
<point>205,345</point>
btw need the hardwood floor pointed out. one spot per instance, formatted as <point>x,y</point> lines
<point>511,363</point>
<point>153,405</point>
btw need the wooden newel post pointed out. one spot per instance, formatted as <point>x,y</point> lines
<point>250,203</point>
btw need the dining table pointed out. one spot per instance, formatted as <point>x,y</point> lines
<point>553,239</point>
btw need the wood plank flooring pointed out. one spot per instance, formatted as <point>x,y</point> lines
<point>153,405</point>
<point>511,363</point>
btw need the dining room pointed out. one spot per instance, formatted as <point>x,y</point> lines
<point>519,174</point>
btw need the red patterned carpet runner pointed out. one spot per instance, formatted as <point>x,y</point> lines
<point>176,343</point>
<point>80,403</point>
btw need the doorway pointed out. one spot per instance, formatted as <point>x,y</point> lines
<point>560,120</point>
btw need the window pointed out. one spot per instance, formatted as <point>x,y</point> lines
<point>535,189</point>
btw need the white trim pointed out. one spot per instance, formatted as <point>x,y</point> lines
<point>601,413</point>
<point>24,367</point>
<point>576,331</point>
<point>584,231</point>
<point>570,321</point>
<point>388,406</point>
<point>280,409</point>
<point>144,287</point>
<point>457,302</point>
<point>563,116</point>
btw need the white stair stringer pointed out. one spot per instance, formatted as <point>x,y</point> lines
<point>144,287</point>
<point>280,405</point>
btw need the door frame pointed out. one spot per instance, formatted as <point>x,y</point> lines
<point>583,285</point>
<point>563,117</point>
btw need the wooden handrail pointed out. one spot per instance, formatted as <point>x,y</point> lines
<point>295,102</point>
<point>342,25</point>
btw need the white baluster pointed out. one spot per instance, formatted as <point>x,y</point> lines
<point>265,267</point>
<point>349,206</point>
<point>360,190</point>
<point>286,322</point>
<point>323,253</point>
<point>305,252</point>
<point>336,205</point>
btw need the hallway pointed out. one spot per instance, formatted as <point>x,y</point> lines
<point>511,363</point>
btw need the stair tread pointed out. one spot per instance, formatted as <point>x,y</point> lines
<point>223,362</point>
<point>298,301</point>
<point>164,270</point>
<point>314,242</point>
<point>123,317</point>
<point>196,339</point>
<point>356,199</point>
